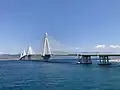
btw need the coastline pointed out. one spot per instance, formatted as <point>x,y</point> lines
<point>9,58</point>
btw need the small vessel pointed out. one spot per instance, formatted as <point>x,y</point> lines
<point>78,62</point>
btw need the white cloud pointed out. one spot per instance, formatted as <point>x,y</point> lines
<point>100,46</point>
<point>107,46</point>
<point>114,46</point>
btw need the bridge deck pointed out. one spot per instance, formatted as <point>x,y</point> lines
<point>102,54</point>
<point>38,56</point>
<point>95,54</point>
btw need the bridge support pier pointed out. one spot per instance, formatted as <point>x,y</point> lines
<point>86,59</point>
<point>29,57</point>
<point>46,57</point>
<point>79,60</point>
<point>104,60</point>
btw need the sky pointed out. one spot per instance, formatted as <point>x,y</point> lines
<point>75,23</point>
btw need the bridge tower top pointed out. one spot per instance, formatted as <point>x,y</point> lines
<point>29,50</point>
<point>46,34</point>
<point>23,54</point>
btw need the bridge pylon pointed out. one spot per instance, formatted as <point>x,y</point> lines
<point>23,55</point>
<point>46,48</point>
<point>29,52</point>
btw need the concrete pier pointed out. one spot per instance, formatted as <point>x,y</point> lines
<point>79,61</point>
<point>104,60</point>
<point>46,57</point>
<point>29,57</point>
<point>86,59</point>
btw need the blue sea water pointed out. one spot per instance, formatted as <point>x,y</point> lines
<point>58,75</point>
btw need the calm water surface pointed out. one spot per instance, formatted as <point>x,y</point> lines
<point>36,75</point>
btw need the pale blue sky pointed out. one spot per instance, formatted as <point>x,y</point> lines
<point>80,23</point>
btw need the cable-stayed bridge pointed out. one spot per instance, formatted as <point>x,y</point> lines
<point>52,47</point>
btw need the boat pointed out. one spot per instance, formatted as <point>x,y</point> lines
<point>78,62</point>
